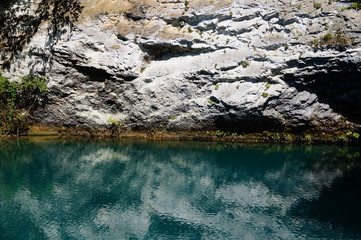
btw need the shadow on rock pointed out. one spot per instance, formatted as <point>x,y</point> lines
<point>18,29</point>
<point>338,86</point>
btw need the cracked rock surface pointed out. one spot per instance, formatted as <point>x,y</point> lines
<point>235,65</point>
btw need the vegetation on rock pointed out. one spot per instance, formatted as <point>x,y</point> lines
<point>337,41</point>
<point>355,5</point>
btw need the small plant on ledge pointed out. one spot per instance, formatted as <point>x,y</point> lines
<point>317,5</point>
<point>338,41</point>
<point>116,127</point>
<point>245,64</point>
<point>264,94</point>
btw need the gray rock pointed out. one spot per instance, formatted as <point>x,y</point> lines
<point>239,65</point>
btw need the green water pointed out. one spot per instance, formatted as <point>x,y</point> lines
<point>62,189</point>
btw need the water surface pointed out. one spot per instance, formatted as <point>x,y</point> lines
<point>67,189</point>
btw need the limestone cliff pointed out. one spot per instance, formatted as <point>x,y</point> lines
<point>236,65</point>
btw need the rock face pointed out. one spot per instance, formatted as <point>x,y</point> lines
<point>235,65</point>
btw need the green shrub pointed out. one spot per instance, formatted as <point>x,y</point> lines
<point>327,37</point>
<point>7,91</point>
<point>31,90</point>
<point>288,137</point>
<point>220,133</point>
<point>355,135</point>
<point>17,100</point>
<point>343,138</point>
<point>308,138</point>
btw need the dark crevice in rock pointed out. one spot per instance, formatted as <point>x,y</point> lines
<point>272,47</point>
<point>133,17</point>
<point>191,20</point>
<point>126,76</point>
<point>59,93</point>
<point>93,74</point>
<point>168,51</point>
<point>198,79</point>
<point>251,79</point>
<point>247,17</point>
<point>214,99</point>
<point>205,72</point>
<point>122,37</point>
<point>226,31</point>
<point>269,16</point>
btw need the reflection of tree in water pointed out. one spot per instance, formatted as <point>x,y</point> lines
<point>18,29</point>
<point>19,170</point>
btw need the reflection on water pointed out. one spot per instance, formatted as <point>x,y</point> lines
<point>151,190</point>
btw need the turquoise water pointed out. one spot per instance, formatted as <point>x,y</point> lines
<point>62,189</point>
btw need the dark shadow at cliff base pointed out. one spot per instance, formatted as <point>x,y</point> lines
<point>232,123</point>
